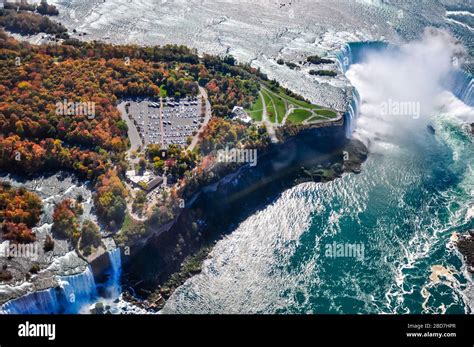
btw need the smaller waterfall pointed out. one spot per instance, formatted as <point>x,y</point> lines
<point>41,302</point>
<point>73,293</point>
<point>115,272</point>
<point>78,291</point>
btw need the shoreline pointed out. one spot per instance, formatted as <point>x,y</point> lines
<point>176,250</point>
<point>465,245</point>
<point>228,171</point>
<point>170,270</point>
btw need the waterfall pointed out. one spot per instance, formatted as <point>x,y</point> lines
<point>115,272</point>
<point>78,291</point>
<point>462,86</point>
<point>351,114</point>
<point>344,58</point>
<point>461,83</point>
<point>41,302</point>
<point>73,293</point>
<point>353,53</point>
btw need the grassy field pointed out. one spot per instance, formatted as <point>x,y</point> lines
<point>256,111</point>
<point>327,113</point>
<point>317,118</point>
<point>268,104</point>
<point>278,103</point>
<point>298,103</point>
<point>299,116</point>
<point>275,106</point>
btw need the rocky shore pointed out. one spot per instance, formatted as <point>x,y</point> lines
<point>465,245</point>
<point>43,269</point>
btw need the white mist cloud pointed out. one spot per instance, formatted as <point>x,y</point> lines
<point>398,86</point>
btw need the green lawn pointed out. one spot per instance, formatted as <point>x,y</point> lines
<point>275,106</point>
<point>255,112</point>
<point>298,116</point>
<point>131,230</point>
<point>281,109</point>
<point>327,113</point>
<point>268,103</point>
<point>299,103</point>
<point>316,118</point>
<point>277,102</point>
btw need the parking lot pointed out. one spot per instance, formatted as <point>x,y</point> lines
<point>181,119</point>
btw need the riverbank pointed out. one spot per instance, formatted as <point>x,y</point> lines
<point>47,272</point>
<point>465,245</point>
<point>314,154</point>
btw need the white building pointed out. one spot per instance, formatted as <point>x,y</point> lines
<point>240,114</point>
<point>148,181</point>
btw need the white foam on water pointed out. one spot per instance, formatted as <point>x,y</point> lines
<point>248,273</point>
<point>413,74</point>
<point>248,261</point>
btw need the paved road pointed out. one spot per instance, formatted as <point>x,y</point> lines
<point>135,140</point>
<point>289,110</point>
<point>207,118</point>
<point>162,130</point>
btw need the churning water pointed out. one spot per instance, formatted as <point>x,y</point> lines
<point>402,212</point>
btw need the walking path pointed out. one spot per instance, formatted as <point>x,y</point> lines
<point>266,121</point>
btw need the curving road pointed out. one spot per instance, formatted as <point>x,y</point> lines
<point>207,118</point>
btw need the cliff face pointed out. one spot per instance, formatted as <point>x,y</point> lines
<point>313,154</point>
<point>466,247</point>
<point>67,293</point>
<point>60,262</point>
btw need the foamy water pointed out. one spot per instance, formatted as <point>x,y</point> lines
<point>414,192</point>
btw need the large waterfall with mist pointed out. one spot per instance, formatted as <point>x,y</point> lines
<point>405,209</point>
